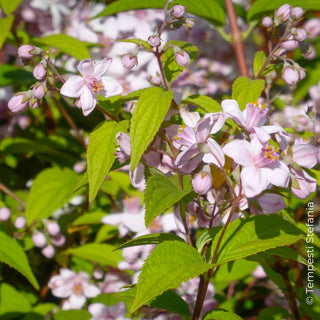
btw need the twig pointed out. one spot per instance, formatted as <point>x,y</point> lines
<point>12,195</point>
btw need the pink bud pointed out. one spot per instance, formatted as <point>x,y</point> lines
<point>290,75</point>
<point>299,34</point>
<point>289,45</point>
<point>20,222</point>
<point>18,102</point>
<point>201,183</point>
<point>302,73</point>
<point>189,24</point>
<point>309,53</point>
<point>28,51</point>
<point>39,239</point>
<point>40,71</point>
<point>34,103</point>
<point>98,272</point>
<point>48,251</point>
<point>283,13</point>
<point>58,240</point>
<point>312,26</point>
<point>297,12</point>
<point>39,90</point>
<point>267,22</point>
<point>182,58</point>
<point>53,228</point>
<point>129,60</point>
<point>178,11</point>
<point>154,40</point>
<point>5,214</point>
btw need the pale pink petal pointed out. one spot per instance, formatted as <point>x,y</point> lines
<point>187,137</point>
<point>87,101</point>
<point>253,181</point>
<point>271,202</point>
<point>189,118</point>
<point>277,174</point>
<point>307,184</point>
<point>304,155</point>
<point>261,134</point>
<point>240,151</point>
<point>97,310</point>
<point>111,87</point>
<point>77,301</point>
<point>90,290</point>
<point>231,109</point>
<point>73,87</point>
<point>101,67</point>
<point>216,155</point>
<point>185,156</point>
<point>85,67</point>
<point>67,273</point>
<point>203,130</point>
<point>137,177</point>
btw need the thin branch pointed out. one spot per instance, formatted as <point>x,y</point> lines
<point>12,195</point>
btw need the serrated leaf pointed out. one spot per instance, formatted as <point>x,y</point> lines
<point>168,265</point>
<point>170,66</point>
<point>72,315</point>
<point>66,44</point>
<point>98,252</point>
<point>207,235</point>
<point>100,153</point>
<point>274,313</point>
<point>154,238</point>
<point>50,190</point>
<point>263,7</point>
<point>207,9</point>
<point>219,314</point>
<point>160,195</point>
<point>5,26</point>
<point>8,6</point>
<point>246,237</point>
<point>12,254</point>
<point>204,102</point>
<point>245,90</point>
<point>148,115</point>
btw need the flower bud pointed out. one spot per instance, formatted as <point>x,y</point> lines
<point>312,26</point>
<point>299,34</point>
<point>34,103</point>
<point>177,11</point>
<point>290,44</point>
<point>182,58</point>
<point>53,228</point>
<point>48,251</point>
<point>290,75</point>
<point>5,214</point>
<point>297,13</point>
<point>39,239</point>
<point>309,52</point>
<point>154,40</point>
<point>202,183</point>
<point>40,71</point>
<point>283,13</point>
<point>20,222</point>
<point>98,272</point>
<point>19,102</point>
<point>129,60</point>
<point>189,24</point>
<point>28,51</point>
<point>39,90</point>
<point>59,240</point>
<point>267,22</point>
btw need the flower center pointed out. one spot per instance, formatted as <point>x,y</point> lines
<point>96,85</point>
<point>77,288</point>
<point>267,156</point>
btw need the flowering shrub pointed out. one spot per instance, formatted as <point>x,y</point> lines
<point>186,186</point>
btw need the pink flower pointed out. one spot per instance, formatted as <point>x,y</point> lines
<point>20,101</point>
<point>5,214</point>
<point>267,22</point>
<point>297,13</point>
<point>261,166</point>
<point>40,71</point>
<point>20,222</point>
<point>304,154</point>
<point>306,184</point>
<point>129,60</point>
<point>290,75</point>
<point>92,82</point>
<point>101,312</point>
<point>154,40</point>
<point>75,287</point>
<point>39,239</point>
<point>28,51</point>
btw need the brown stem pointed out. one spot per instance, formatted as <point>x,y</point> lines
<point>107,114</point>
<point>53,68</point>
<point>164,80</point>
<point>12,195</point>
<point>237,42</point>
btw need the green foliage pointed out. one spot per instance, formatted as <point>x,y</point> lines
<point>273,313</point>
<point>245,237</point>
<point>51,189</point>
<point>169,264</point>
<point>207,9</point>
<point>259,59</point>
<point>12,254</point>
<point>206,235</point>
<point>171,67</point>
<point>64,43</point>
<point>98,252</point>
<point>5,26</point>
<point>8,6</point>
<point>204,102</point>
<point>89,218</point>
<point>72,315</point>
<point>39,311</point>
<point>245,90</point>
<point>219,314</point>
<point>160,195</point>
<point>10,75</point>
<point>148,115</point>
<point>100,153</point>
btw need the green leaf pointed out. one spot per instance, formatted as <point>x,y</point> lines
<point>148,115</point>
<point>11,75</point>
<point>154,238</point>
<point>5,26</point>
<point>207,235</point>
<point>98,252</point>
<point>171,67</point>
<point>66,44</point>
<point>40,311</point>
<point>274,313</point>
<point>12,254</point>
<point>219,314</point>
<point>72,315</point>
<point>172,302</point>
<point>100,153</point>
<point>168,265</point>
<point>50,190</point>
<point>245,90</point>
<point>207,9</point>
<point>245,237</point>
<point>89,218</point>
<point>8,6</point>
<point>264,7</point>
<point>206,103</point>
<point>160,195</point>
<point>259,59</point>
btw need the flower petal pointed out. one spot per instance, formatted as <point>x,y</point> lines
<point>305,155</point>
<point>231,109</point>
<point>216,155</point>
<point>77,301</point>
<point>101,67</point>
<point>189,118</point>
<point>111,87</point>
<point>90,290</point>
<point>73,87</point>
<point>85,67</point>
<point>87,101</point>
<point>278,174</point>
<point>240,151</point>
<point>253,181</point>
